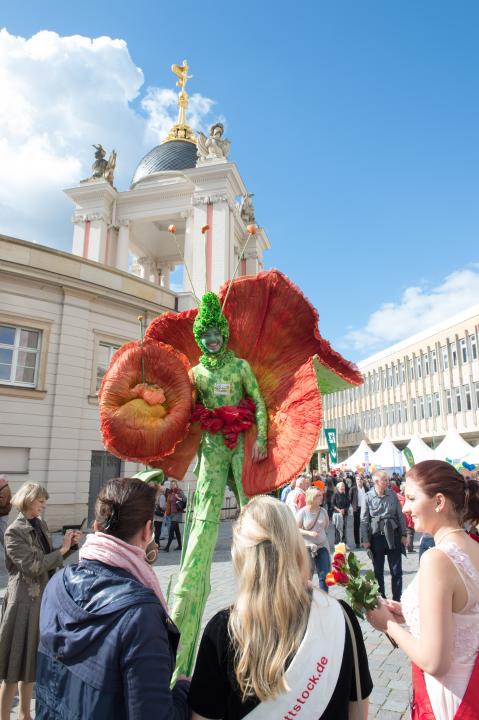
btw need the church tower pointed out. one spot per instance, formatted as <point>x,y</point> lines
<point>186,182</point>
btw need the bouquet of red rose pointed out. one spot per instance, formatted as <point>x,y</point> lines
<point>362,591</point>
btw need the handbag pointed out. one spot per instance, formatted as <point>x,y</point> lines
<point>312,547</point>
<point>355,707</point>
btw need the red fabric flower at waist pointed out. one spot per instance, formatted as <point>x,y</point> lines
<point>229,420</point>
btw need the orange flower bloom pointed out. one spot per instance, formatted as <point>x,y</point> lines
<point>145,418</point>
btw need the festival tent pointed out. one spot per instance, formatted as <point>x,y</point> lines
<point>388,457</point>
<point>453,447</point>
<point>473,457</point>
<point>358,458</point>
<point>420,451</point>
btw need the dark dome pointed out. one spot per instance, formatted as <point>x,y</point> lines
<point>172,155</point>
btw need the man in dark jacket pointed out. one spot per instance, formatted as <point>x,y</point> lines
<point>107,649</point>
<point>383,529</point>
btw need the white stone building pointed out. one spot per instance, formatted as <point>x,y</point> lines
<point>425,384</point>
<point>63,315</point>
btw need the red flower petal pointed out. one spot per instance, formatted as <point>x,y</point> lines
<point>133,428</point>
<point>176,329</point>
<point>294,423</point>
<point>177,464</point>
<point>275,328</point>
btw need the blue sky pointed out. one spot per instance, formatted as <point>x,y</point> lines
<point>356,125</point>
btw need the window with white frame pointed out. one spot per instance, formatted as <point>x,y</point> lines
<point>418,368</point>
<point>473,346</point>
<point>467,397</point>
<point>396,372</point>
<point>429,406</point>
<point>426,364</point>
<point>411,369</point>
<point>458,399</point>
<point>445,357</point>
<point>448,402</point>
<point>421,408</point>
<point>434,361</point>
<point>454,354</point>
<point>19,355</point>
<point>437,404</point>
<point>105,353</point>
<point>463,346</point>
<point>414,409</point>
<point>476,388</point>
<point>402,373</point>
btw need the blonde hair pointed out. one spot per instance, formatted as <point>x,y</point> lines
<point>269,617</point>
<point>311,494</point>
<point>28,493</point>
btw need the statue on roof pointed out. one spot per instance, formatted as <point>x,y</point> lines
<point>214,147</point>
<point>247,209</point>
<point>102,169</point>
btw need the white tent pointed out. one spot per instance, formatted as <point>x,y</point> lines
<point>473,457</point>
<point>420,451</point>
<point>387,456</point>
<point>453,447</point>
<point>359,457</point>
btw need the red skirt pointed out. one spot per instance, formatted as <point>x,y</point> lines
<point>421,708</point>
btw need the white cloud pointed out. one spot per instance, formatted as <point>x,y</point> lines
<point>58,96</point>
<point>418,309</point>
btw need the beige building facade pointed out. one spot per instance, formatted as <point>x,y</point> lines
<point>425,384</point>
<point>61,319</point>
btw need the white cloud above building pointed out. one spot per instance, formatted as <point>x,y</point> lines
<point>58,96</point>
<point>420,307</point>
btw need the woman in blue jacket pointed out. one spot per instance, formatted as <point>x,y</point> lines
<point>107,645</point>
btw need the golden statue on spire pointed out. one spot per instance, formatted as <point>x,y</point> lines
<point>182,72</point>
<point>181,130</point>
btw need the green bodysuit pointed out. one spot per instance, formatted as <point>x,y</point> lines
<point>227,384</point>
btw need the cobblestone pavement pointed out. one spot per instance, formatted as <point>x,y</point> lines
<point>389,667</point>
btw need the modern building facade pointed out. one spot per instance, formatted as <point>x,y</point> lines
<point>425,384</point>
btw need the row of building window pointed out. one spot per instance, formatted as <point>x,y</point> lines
<point>455,401</point>
<point>20,353</point>
<point>394,375</point>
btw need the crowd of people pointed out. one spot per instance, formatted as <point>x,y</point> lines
<point>97,638</point>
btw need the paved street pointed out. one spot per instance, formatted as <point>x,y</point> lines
<point>389,667</point>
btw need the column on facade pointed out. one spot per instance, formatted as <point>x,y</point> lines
<point>195,247</point>
<point>66,475</point>
<point>123,243</point>
<point>220,242</point>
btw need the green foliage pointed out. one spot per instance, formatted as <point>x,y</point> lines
<point>362,589</point>
<point>210,315</point>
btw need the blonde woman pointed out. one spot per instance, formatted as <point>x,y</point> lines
<point>30,560</point>
<point>313,521</point>
<point>282,648</point>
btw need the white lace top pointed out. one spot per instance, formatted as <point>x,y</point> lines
<point>446,692</point>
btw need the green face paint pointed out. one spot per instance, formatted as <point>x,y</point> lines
<point>212,339</point>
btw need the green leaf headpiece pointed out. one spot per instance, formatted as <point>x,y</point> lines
<point>210,315</point>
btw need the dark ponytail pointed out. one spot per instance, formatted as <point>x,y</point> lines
<point>438,476</point>
<point>471,502</point>
<point>124,506</point>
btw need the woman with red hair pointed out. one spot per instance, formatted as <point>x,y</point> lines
<point>441,605</point>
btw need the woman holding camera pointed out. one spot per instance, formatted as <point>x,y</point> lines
<point>30,561</point>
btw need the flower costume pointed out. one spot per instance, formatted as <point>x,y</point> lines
<point>272,356</point>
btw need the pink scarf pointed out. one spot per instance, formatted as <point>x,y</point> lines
<point>117,553</point>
